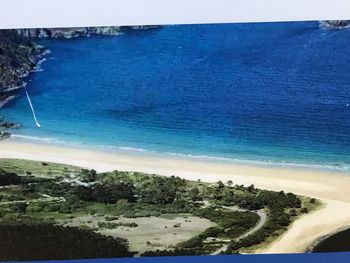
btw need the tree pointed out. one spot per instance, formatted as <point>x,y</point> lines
<point>292,200</point>
<point>220,185</point>
<point>229,196</point>
<point>194,194</point>
<point>111,193</point>
<point>249,202</point>
<point>304,210</point>
<point>293,212</point>
<point>84,193</point>
<point>9,178</point>
<point>20,207</point>
<point>284,220</point>
<point>88,175</point>
<point>251,188</point>
<point>161,190</point>
<point>108,193</point>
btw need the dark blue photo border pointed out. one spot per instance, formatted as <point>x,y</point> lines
<point>339,257</point>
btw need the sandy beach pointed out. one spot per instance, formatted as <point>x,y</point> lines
<point>331,187</point>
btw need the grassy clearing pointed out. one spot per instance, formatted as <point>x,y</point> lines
<point>38,169</point>
<point>146,233</point>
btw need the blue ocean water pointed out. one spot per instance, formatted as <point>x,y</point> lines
<point>277,92</point>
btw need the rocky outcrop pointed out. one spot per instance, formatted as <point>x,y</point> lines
<point>8,125</point>
<point>126,28</point>
<point>18,57</point>
<point>78,31</point>
<point>5,126</point>
<point>4,135</point>
<point>335,24</point>
<point>68,32</point>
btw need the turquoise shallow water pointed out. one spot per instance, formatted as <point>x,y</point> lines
<point>271,92</point>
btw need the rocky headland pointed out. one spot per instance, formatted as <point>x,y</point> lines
<point>20,55</point>
<point>68,32</point>
<point>78,31</point>
<point>335,24</point>
<point>5,126</point>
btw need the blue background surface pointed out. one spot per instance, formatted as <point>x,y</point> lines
<point>300,258</point>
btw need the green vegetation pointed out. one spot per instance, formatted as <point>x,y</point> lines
<point>44,193</point>
<point>38,169</point>
<point>230,225</point>
<point>110,225</point>
<point>7,178</point>
<point>22,241</point>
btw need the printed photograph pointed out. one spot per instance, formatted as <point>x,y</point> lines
<point>173,140</point>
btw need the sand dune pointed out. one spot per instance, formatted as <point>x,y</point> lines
<point>330,186</point>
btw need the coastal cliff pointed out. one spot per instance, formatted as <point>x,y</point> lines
<point>68,32</point>
<point>78,31</point>
<point>18,57</point>
<point>335,24</point>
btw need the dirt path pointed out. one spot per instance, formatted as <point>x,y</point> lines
<point>262,219</point>
<point>44,198</point>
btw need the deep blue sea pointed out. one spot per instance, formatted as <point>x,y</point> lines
<point>274,92</point>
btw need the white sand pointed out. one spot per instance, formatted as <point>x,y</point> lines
<point>331,187</point>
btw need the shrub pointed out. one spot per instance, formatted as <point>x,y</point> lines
<point>9,178</point>
<point>19,207</point>
<point>304,210</point>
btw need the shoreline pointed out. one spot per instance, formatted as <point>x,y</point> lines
<point>342,169</point>
<point>331,187</point>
